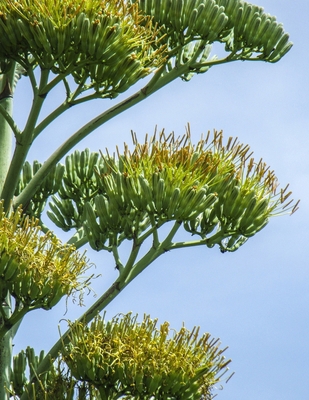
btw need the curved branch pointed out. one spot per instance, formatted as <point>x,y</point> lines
<point>6,115</point>
<point>84,131</point>
<point>158,81</point>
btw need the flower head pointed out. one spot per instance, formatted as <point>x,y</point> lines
<point>37,269</point>
<point>209,187</point>
<point>106,42</point>
<point>141,359</point>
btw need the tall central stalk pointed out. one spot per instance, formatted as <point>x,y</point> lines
<point>6,102</point>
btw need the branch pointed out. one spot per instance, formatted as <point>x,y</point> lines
<point>79,239</point>
<point>23,146</point>
<point>14,319</point>
<point>181,245</point>
<point>153,254</point>
<point>6,115</point>
<point>34,85</point>
<point>119,265</point>
<point>6,110</point>
<point>50,118</point>
<point>149,89</point>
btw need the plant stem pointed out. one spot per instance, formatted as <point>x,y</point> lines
<point>6,103</point>
<point>6,347</point>
<point>23,145</point>
<point>6,113</point>
<point>13,320</point>
<point>155,252</point>
<point>50,118</point>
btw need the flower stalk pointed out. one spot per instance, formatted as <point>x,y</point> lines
<point>6,104</point>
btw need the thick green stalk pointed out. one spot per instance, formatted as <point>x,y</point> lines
<point>6,347</point>
<point>6,102</point>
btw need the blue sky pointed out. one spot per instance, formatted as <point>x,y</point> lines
<point>256,299</point>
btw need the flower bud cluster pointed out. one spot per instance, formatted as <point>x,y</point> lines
<point>54,383</point>
<point>49,186</point>
<point>21,362</point>
<point>78,186</point>
<point>217,192</point>
<point>103,42</point>
<point>245,28</point>
<point>142,360</point>
<point>35,268</point>
<point>186,19</point>
<point>255,31</point>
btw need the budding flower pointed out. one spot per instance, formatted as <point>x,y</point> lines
<point>36,268</point>
<point>143,360</point>
<point>216,191</point>
<point>207,186</point>
<point>108,42</point>
<point>248,32</point>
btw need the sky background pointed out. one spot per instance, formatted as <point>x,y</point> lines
<point>255,300</point>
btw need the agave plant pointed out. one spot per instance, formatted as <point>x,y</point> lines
<point>96,50</point>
